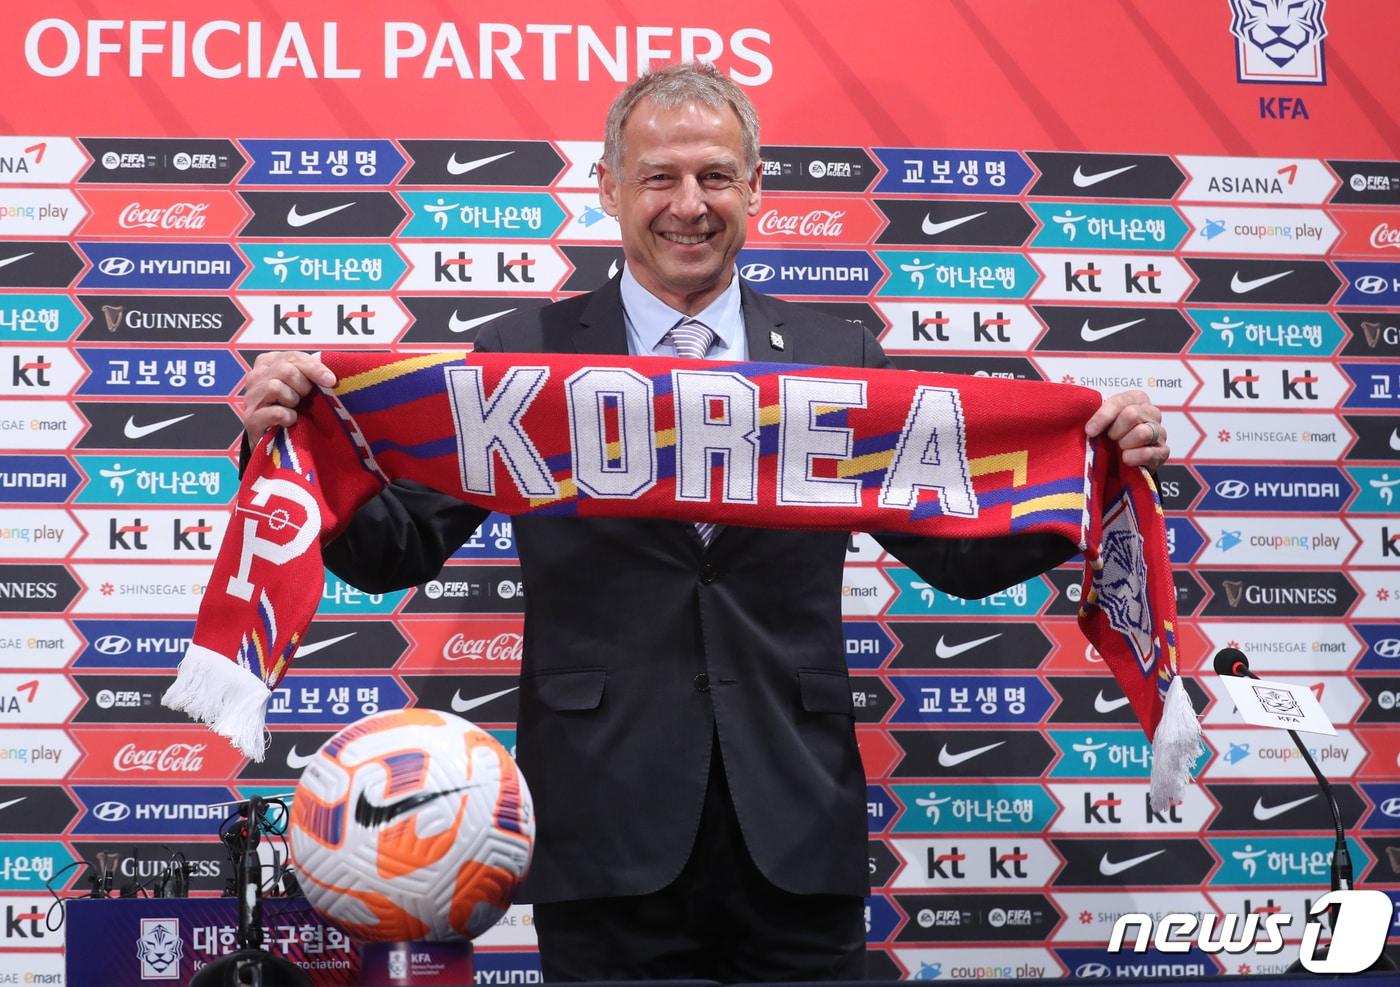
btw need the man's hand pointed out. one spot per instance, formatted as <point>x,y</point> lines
<point>276,385</point>
<point>1135,423</point>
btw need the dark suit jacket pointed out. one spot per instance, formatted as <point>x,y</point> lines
<point>642,646</point>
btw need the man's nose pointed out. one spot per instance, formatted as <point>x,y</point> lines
<point>689,200</point>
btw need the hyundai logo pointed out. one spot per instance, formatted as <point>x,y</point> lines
<point>1232,489</point>
<point>1372,284</point>
<point>1387,647</point>
<point>1095,970</point>
<point>116,267</point>
<point>1391,808</point>
<point>111,811</point>
<point>757,272</point>
<point>112,644</point>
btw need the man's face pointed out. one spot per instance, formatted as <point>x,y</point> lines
<point>682,197</point>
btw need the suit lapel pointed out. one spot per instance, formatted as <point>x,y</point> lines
<point>763,327</point>
<point>602,327</point>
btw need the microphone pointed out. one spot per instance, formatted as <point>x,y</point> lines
<point>1232,662</point>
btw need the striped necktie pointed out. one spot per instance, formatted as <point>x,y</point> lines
<point>691,340</point>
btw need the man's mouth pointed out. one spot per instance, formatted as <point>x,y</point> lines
<point>688,239</point>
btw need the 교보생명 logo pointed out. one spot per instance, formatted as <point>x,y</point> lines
<point>1279,40</point>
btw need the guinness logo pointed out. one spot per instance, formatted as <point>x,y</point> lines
<point>113,314</point>
<point>1373,333</point>
<point>1234,591</point>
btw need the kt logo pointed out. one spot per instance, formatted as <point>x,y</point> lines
<point>30,371</point>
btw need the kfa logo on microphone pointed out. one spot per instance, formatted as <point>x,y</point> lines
<point>1359,929</point>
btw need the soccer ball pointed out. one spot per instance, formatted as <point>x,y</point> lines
<point>411,824</point>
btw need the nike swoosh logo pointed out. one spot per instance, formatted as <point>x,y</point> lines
<point>295,218</point>
<point>455,167</point>
<point>943,650</point>
<point>372,816</point>
<point>1091,335</point>
<point>1264,812</point>
<point>297,761</point>
<point>17,257</point>
<point>6,805</point>
<point>1244,287</point>
<point>1103,705</point>
<point>1110,867</point>
<point>1082,180</point>
<point>460,705</point>
<point>952,760</point>
<point>455,324</point>
<point>933,229</point>
<point>311,649</point>
<point>134,431</point>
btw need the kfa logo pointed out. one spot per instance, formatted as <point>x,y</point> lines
<point>159,949</point>
<point>1279,41</point>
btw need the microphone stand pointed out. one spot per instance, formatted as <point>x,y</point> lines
<point>251,965</point>
<point>1231,661</point>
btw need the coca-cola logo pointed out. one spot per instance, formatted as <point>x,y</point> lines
<point>815,222</point>
<point>176,216</point>
<point>175,758</point>
<point>503,647</point>
<point>1385,235</point>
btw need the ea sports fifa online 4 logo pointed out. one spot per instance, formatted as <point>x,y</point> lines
<point>1279,40</point>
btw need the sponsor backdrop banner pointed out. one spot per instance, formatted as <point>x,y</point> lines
<point>1201,201</point>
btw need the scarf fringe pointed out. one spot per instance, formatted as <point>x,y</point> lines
<point>224,696</point>
<point>1175,747</point>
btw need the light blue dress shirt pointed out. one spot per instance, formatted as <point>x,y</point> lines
<point>649,319</point>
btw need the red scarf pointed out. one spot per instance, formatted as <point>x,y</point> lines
<point>589,436</point>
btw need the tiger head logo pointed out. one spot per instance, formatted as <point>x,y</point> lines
<point>159,949</point>
<point>1279,40</point>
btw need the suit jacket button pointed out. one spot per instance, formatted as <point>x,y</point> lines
<point>702,683</point>
<point>708,573</point>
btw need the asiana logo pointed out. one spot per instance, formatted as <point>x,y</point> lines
<point>1279,40</point>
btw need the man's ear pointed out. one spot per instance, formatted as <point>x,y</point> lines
<point>607,189</point>
<point>756,189</point>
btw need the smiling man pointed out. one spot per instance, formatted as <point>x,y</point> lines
<point>686,722</point>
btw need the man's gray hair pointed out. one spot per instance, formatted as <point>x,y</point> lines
<point>676,85</point>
